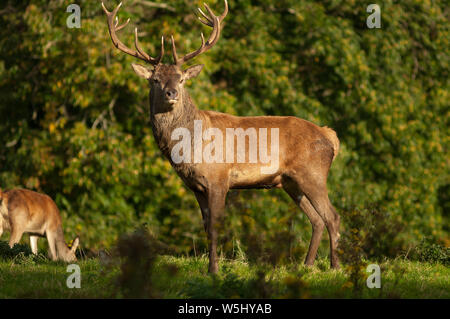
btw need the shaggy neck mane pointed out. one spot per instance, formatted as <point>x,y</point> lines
<point>164,120</point>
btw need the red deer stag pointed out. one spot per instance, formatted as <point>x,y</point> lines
<point>24,211</point>
<point>302,151</point>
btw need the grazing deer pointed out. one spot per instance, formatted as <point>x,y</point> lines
<point>24,211</point>
<point>305,150</point>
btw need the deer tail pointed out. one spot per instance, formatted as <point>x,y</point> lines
<point>332,137</point>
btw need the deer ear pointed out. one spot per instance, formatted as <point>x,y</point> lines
<point>142,71</point>
<point>193,71</point>
<point>75,244</point>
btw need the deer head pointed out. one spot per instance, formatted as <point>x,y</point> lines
<point>167,81</point>
<point>68,254</point>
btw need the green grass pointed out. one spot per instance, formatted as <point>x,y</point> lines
<point>186,277</point>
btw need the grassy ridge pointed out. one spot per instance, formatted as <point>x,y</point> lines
<point>185,277</point>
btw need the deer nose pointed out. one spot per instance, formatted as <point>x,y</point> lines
<point>172,94</point>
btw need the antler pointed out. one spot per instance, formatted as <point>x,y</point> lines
<point>212,21</point>
<point>113,27</point>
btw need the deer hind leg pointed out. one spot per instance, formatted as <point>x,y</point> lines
<point>317,194</point>
<point>293,189</point>
<point>33,244</point>
<point>52,245</point>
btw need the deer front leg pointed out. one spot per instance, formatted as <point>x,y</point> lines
<point>16,235</point>
<point>212,204</point>
<point>51,238</point>
<point>202,200</point>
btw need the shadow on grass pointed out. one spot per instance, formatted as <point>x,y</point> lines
<point>238,279</point>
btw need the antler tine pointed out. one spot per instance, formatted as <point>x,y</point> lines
<point>114,27</point>
<point>212,21</point>
<point>197,52</point>
<point>141,52</point>
<point>209,22</point>
<point>174,50</point>
<point>118,28</point>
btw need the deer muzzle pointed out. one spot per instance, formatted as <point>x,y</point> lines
<point>171,96</point>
